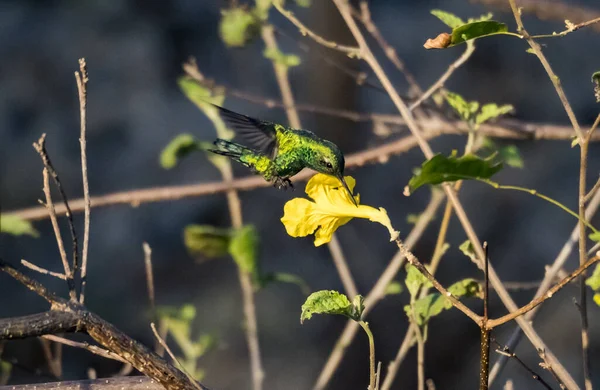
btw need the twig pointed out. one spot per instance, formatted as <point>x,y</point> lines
<point>92,348</point>
<point>349,50</point>
<point>420,349</point>
<point>378,376</point>
<point>44,271</point>
<point>505,351</point>
<point>54,366</point>
<point>551,274</point>
<point>121,383</point>
<point>82,79</point>
<point>40,147</point>
<point>377,293</point>
<point>172,355</point>
<point>442,80</point>
<point>553,77</point>
<point>485,333</point>
<point>547,366</point>
<point>339,260</point>
<point>149,276</point>
<point>365,18</point>
<point>524,309</point>
<point>59,240</point>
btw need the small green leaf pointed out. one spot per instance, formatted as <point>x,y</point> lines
<point>287,60</point>
<point>594,280</point>
<point>511,156</point>
<point>491,111</point>
<point>467,249</point>
<point>460,105</point>
<point>178,148</point>
<point>433,304</point>
<point>595,236</point>
<point>448,18</point>
<point>530,51</point>
<point>303,3</point>
<point>326,302</point>
<point>440,169</point>
<point>415,280</point>
<point>16,226</point>
<point>202,97</point>
<point>475,30</point>
<point>206,240</point>
<point>238,26</point>
<point>358,307</point>
<point>284,277</point>
<point>394,288</point>
<point>244,248</point>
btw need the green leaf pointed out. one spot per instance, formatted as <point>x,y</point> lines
<point>475,30</point>
<point>202,97</point>
<point>597,299</point>
<point>595,236</point>
<point>284,277</point>
<point>440,169</point>
<point>243,247</point>
<point>461,106</point>
<point>594,280</point>
<point>448,18</point>
<point>394,288</point>
<point>468,250</point>
<point>238,26</point>
<point>433,304</point>
<point>303,3</point>
<point>331,302</point>
<point>206,240</point>
<point>415,280</point>
<point>511,156</point>
<point>491,111</point>
<point>16,226</point>
<point>178,148</point>
<point>287,60</point>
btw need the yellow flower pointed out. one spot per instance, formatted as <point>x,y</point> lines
<point>331,208</point>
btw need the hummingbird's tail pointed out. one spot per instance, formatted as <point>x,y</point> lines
<point>257,161</point>
<point>230,149</point>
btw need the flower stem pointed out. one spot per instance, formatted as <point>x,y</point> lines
<point>372,376</point>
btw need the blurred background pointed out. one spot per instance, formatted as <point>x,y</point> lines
<point>135,49</point>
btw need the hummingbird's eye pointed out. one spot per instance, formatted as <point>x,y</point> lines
<point>328,164</point>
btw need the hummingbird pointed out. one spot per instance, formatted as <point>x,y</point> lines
<point>279,152</point>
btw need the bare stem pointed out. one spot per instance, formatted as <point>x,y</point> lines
<point>82,79</point>
<point>372,375</point>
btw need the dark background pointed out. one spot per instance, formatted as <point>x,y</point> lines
<point>134,51</point>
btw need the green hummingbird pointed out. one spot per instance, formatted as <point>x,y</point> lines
<point>279,152</point>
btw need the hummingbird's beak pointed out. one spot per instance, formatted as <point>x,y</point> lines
<point>341,178</point>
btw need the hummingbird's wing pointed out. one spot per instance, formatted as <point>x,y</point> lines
<point>259,133</point>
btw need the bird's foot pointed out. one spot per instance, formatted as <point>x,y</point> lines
<point>283,183</point>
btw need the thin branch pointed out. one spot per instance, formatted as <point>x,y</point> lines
<point>377,293</point>
<point>120,383</point>
<point>149,276</point>
<point>485,333</point>
<point>553,77</point>
<point>59,240</point>
<point>442,80</point>
<point>349,50</point>
<point>92,348</point>
<point>82,79</point>
<point>505,351</point>
<point>524,309</point>
<point>339,260</point>
<point>365,18</point>
<point>54,365</point>
<point>40,147</point>
<point>547,366</point>
<point>43,271</point>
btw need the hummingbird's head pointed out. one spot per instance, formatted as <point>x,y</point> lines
<point>330,160</point>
